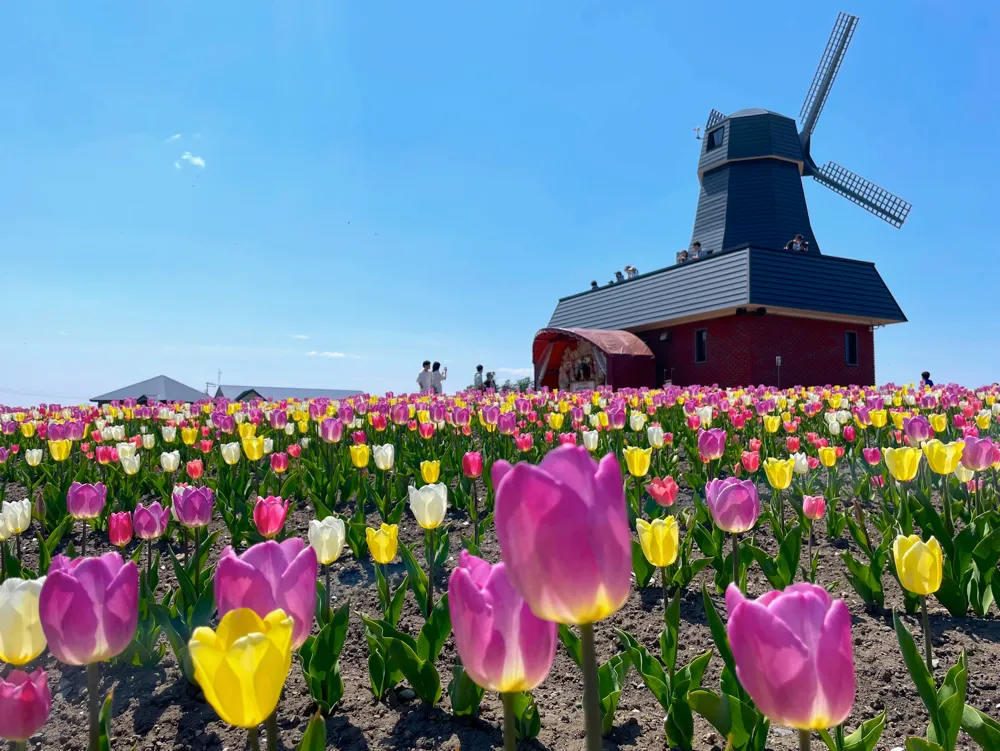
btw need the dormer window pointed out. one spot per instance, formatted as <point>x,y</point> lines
<point>715,138</point>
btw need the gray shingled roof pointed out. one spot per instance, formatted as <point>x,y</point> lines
<point>161,388</point>
<point>717,285</point>
<point>275,393</point>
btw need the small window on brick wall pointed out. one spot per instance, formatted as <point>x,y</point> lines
<point>851,347</point>
<point>701,345</point>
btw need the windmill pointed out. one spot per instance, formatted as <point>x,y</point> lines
<point>753,161</point>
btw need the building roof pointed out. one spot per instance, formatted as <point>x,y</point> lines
<point>160,388</point>
<point>783,281</point>
<point>277,393</point>
<point>610,342</point>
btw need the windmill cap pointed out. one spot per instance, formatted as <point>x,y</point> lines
<point>751,111</point>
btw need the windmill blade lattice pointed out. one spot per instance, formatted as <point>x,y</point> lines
<point>714,117</point>
<point>864,193</point>
<point>826,73</point>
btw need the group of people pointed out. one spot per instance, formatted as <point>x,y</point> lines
<point>797,243</point>
<point>430,379</point>
<point>630,272</point>
<point>693,254</point>
<point>479,383</point>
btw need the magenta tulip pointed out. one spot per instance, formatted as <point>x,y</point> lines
<point>279,462</point>
<point>25,703</point>
<point>269,515</point>
<point>564,535</point>
<point>978,454</point>
<point>120,528</point>
<point>193,506</point>
<point>503,645</point>
<point>734,504</point>
<point>89,607</point>
<point>813,506</point>
<point>86,501</point>
<point>873,455</point>
<point>472,464</point>
<point>268,576</point>
<point>331,430</point>
<point>507,423</point>
<point>793,655</point>
<point>917,429</point>
<point>150,522</point>
<point>711,443</point>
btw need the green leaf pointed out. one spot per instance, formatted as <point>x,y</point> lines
<point>572,643</point>
<point>915,664</point>
<point>396,603</point>
<point>982,728</point>
<point>315,735</point>
<point>718,630</point>
<point>668,637</point>
<point>611,680</point>
<point>527,721</point>
<point>915,743</point>
<point>418,579</point>
<point>649,668</point>
<point>183,579</point>
<point>694,671</point>
<point>866,736</point>
<point>732,718</point>
<point>421,674</point>
<point>435,631</point>
<point>104,722</point>
<point>465,695</point>
<point>643,569</point>
<point>788,554</point>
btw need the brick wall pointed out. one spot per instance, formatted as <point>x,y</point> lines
<point>742,350</point>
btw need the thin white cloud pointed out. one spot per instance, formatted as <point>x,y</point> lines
<point>520,372</point>
<point>332,354</point>
<point>62,333</point>
<point>174,137</point>
<point>197,161</point>
<point>299,336</point>
<point>354,357</point>
<point>177,165</point>
<point>312,354</point>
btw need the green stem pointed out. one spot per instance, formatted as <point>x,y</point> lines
<point>197,560</point>
<point>809,532</point>
<point>20,745</point>
<point>509,727</point>
<point>946,496</point>
<point>328,613</point>
<point>591,689</point>
<point>430,570</point>
<point>927,634</point>
<point>665,581</point>
<point>805,740</point>
<point>736,560</point>
<point>254,738</point>
<point>271,726</point>
<point>94,702</point>
<point>83,540</point>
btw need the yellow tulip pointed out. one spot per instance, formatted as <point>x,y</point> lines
<point>430,471</point>
<point>189,436</point>
<point>983,420</point>
<point>918,563</point>
<point>382,542</point>
<point>242,666</point>
<point>943,457</point>
<point>21,635</point>
<point>247,430</point>
<point>779,472</point>
<point>660,540</point>
<point>897,419</point>
<point>555,420</point>
<point>827,456</point>
<point>59,450</point>
<point>772,423</point>
<point>360,454</point>
<point>834,400</point>
<point>423,416</point>
<point>902,463</point>
<point>253,447</point>
<point>28,429</point>
<point>638,460</point>
<point>878,418</point>
<point>938,422</point>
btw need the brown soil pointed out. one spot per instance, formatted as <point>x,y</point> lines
<point>157,709</point>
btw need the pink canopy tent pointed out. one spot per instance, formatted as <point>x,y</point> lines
<point>622,358</point>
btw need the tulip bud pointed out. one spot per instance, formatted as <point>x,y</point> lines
<point>327,538</point>
<point>120,528</point>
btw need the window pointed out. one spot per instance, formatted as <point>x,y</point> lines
<point>851,345</point>
<point>700,345</point>
<point>715,138</point>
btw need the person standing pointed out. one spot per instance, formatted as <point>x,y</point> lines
<point>424,378</point>
<point>477,379</point>
<point>437,376</point>
<point>925,379</point>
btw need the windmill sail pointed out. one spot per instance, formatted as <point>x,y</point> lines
<point>864,193</point>
<point>714,117</point>
<point>829,66</point>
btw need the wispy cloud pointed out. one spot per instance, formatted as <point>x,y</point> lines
<point>197,161</point>
<point>177,165</point>
<point>299,336</point>
<point>519,372</point>
<point>62,333</point>
<point>312,354</point>
<point>332,354</point>
<point>328,353</point>
<point>174,137</point>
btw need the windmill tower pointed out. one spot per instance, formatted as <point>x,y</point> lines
<point>753,162</point>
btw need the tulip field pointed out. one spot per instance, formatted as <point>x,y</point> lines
<point>689,568</point>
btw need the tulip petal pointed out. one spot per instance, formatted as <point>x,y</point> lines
<point>240,585</point>
<point>69,619</point>
<point>835,667</point>
<point>803,613</point>
<point>296,593</point>
<point>121,608</point>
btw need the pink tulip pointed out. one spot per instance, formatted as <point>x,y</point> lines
<point>524,442</point>
<point>193,506</point>
<point>711,443</point>
<point>567,439</point>
<point>279,462</point>
<point>86,501</point>
<point>664,491</point>
<point>503,645</point>
<point>472,464</point>
<point>564,534</point>
<point>195,469</point>
<point>849,434</point>
<point>268,576</point>
<point>873,455</point>
<point>25,703</point>
<point>89,607</point>
<point>750,460</point>
<point>793,444</point>
<point>426,430</point>
<point>917,429</point>
<point>150,522</point>
<point>506,423</point>
<point>120,528</point>
<point>734,504</point>
<point>103,454</point>
<point>793,655</point>
<point>978,454</point>
<point>331,430</point>
<point>269,515</point>
<point>813,506</point>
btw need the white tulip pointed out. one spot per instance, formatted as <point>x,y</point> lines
<point>230,452</point>
<point>384,456</point>
<point>148,441</point>
<point>654,434</point>
<point>834,428</point>
<point>99,424</point>
<point>17,515</point>
<point>125,449</point>
<point>170,460</point>
<point>595,421</point>
<point>801,466</point>
<point>107,433</point>
<point>304,442</point>
<point>117,433</point>
<point>588,408</point>
<point>4,529</point>
<point>21,635</point>
<point>268,445</point>
<point>169,433</point>
<point>705,415</point>
<point>327,538</point>
<point>239,417</point>
<point>429,504</point>
<point>289,428</point>
<point>130,464</point>
<point>33,457</point>
<point>963,474</point>
<point>636,420</point>
<point>590,439</point>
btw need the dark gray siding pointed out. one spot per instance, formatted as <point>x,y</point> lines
<point>715,157</point>
<point>765,205</point>
<point>821,284</point>
<point>710,219</point>
<point>699,287</point>
<point>762,136</point>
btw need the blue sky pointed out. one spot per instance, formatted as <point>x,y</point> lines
<point>400,181</point>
